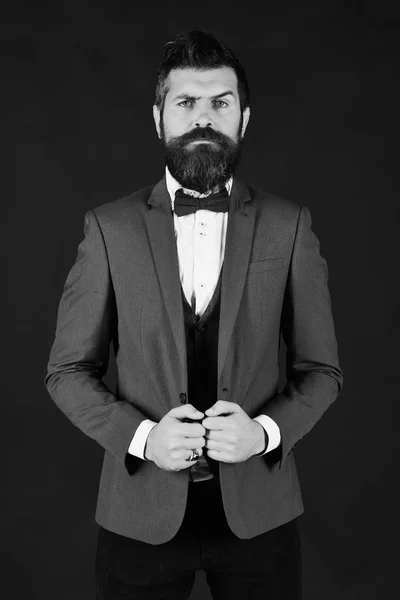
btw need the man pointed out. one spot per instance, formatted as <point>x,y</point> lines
<point>193,280</point>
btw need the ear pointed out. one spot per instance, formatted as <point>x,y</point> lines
<point>156,116</point>
<point>246,117</point>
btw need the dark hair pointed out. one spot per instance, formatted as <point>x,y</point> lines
<point>199,50</point>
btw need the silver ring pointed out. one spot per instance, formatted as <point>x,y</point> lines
<point>195,454</point>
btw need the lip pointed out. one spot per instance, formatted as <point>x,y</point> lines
<point>202,142</point>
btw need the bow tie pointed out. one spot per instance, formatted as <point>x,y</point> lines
<point>185,204</point>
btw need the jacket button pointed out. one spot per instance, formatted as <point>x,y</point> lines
<point>200,327</point>
<point>182,398</point>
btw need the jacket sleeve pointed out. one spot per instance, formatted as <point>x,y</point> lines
<point>314,378</point>
<point>86,325</point>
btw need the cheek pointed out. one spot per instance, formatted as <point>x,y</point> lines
<point>176,124</point>
<point>229,123</point>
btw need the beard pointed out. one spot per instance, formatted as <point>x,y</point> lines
<point>205,166</point>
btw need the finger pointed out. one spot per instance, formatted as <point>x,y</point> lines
<point>218,435</point>
<point>222,406</point>
<point>220,456</point>
<point>186,411</point>
<point>220,423</point>
<point>191,430</point>
<point>183,453</point>
<point>190,443</point>
<point>219,446</point>
<point>188,453</point>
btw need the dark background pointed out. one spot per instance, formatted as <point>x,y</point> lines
<point>76,98</point>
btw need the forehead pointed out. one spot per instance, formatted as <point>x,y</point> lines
<point>199,82</point>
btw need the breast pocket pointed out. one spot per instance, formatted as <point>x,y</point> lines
<point>266,264</point>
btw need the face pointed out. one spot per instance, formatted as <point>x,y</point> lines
<point>202,127</point>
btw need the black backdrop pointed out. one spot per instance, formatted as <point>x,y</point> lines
<point>77,97</point>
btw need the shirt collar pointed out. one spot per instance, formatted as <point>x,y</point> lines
<point>173,185</point>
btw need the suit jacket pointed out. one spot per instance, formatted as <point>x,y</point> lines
<point>124,288</point>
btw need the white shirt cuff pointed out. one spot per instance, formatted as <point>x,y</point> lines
<point>137,445</point>
<point>273,431</point>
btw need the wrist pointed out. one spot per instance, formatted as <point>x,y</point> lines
<point>261,439</point>
<point>147,453</point>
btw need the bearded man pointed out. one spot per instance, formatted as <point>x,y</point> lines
<point>195,280</point>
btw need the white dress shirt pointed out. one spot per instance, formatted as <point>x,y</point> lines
<point>200,239</point>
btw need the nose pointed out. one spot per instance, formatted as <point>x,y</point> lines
<point>203,121</point>
<point>203,117</point>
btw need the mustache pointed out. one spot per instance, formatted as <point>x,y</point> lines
<point>203,133</point>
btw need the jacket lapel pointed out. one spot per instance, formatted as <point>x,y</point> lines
<point>238,244</point>
<point>160,224</point>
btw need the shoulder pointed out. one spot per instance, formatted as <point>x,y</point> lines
<point>272,202</point>
<point>124,215</point>
<point>126,208</point>
<point>271,206</point>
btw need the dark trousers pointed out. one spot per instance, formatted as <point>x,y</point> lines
<point>266,566</point>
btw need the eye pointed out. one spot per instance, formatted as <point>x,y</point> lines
<point>183,102</point>
<point>221,102</point>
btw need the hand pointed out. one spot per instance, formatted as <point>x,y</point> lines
<point>233,438</point>
<point>171,441</point>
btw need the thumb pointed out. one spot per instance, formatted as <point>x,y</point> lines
<point>187,411</point>
<point>222,407</point>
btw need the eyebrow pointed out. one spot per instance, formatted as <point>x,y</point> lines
<point>189,97</point>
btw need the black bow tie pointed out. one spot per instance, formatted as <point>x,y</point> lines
<point>185,204</point>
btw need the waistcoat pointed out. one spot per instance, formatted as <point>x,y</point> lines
<point>201,334</point>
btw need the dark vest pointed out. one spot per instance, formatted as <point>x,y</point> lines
<point>202,362</point>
